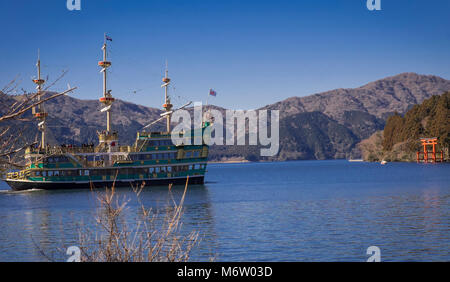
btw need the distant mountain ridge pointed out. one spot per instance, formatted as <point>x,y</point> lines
<point>330,124</point>
<point>379,98</point>
<point>321,126</point>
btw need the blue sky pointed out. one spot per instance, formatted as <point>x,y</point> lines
<point>252,53</point>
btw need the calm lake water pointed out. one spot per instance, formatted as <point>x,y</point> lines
<point>287,211</point>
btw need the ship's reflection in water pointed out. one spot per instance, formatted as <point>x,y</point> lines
<point>287,211</point>
<point>40,225</point>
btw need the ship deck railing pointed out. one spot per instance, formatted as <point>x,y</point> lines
<point>76,150</point>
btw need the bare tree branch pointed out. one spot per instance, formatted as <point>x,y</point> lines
<point>11,143</point>
<point>13,115</point>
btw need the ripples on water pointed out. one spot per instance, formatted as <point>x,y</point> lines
<point>291,211</point>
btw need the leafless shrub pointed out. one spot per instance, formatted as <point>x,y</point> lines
<point>152,238</point>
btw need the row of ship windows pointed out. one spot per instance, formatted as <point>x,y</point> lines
<point>176,168</point>
<point>60,159</point>
<point>156,143</point>
<point>158,156</point>
<point>128,171</point>
<point>192,154</point>
<point>134,157</point>
<point>163,156</point>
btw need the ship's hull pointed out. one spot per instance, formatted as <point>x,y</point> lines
<point>21,185</point>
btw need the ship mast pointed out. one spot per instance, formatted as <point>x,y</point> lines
<point>107,98</point>
<point>40,114</point>
<point>167,105</point>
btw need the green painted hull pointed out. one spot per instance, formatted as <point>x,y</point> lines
<point>18,185</point>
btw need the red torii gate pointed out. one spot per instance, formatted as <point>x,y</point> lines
<point>429,142</point>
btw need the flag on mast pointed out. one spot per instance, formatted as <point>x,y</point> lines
<point>108,38</point>
<point>212,92</point>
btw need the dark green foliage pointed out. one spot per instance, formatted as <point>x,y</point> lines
<point>429,119</point>
<point>391,136</point>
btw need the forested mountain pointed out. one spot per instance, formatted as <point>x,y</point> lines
<point>321,126</point>
<point>400,138</point>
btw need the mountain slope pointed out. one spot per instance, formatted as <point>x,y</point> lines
<point>314,136</point>
<point>380,98</point>
<point>320,126</point>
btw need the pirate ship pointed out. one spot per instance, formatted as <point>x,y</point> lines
<point>153,159</point>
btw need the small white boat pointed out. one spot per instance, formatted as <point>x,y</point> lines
<point>383,162</point>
